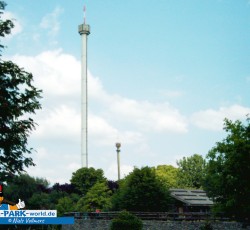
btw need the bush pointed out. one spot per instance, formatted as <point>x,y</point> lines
<point>125,221</point>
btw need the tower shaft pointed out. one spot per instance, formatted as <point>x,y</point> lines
<point>84,31</point>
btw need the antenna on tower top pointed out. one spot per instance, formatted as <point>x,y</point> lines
<point>84,14</point>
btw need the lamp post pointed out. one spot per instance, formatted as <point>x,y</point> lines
<point>118,146</point>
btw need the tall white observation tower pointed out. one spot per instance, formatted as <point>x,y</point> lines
<point>84,31</point>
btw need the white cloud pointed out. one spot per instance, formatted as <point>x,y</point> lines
<point>112,172</point>
<point>98,126</point>
<point>110,116</point>
<point>213,119</point>
<point>51,21</point>
<point>54,72</point>
<point>41,153</point>
<point>171,93</point>
<point>57,123</point>
<point>151,117</point>
<point>95,89</point>
<point>58,74</point>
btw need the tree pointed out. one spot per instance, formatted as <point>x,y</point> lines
<point>50,200</point>
<point>67,188</point>
<point>113,185</point>
<point>228,170</point>
<point>40,201</point>
<point>65,204</point>
<point>84,178</point>
<point>141,190</point>
<point>5,26</point>
<point>167,175</point>
<point>18,98</point>
<point>98,197</point>
<point>23,187</point>
<point>191,172</point>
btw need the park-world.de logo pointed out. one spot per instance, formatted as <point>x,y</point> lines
<point>15,213</point>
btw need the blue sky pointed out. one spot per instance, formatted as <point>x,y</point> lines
<point>162,77</point>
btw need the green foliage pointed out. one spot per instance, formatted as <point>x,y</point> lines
<point>5,26</point>
<point>84,178</point>
<point>80,205</point>
<point>228,170</point>
<point>23,187</point>
<point>118,196</point>
<point>54,196</point>
<point>125,221</point>
<point>18,98</point>
<point>98,197</point>
<point>65,204</point>
<point>191,172</point>
<point>141,190</point>
<point>167,175</point>
<point>40,201</point>
<point>37,194</point>
<point>50,200</point>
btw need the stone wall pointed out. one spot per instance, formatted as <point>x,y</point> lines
<point>81,224</point>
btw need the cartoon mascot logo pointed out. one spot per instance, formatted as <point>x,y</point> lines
<point>8,205</point>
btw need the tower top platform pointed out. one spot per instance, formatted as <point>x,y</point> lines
<point>84,29</point>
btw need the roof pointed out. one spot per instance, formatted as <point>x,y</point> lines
<point>191,197</point>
